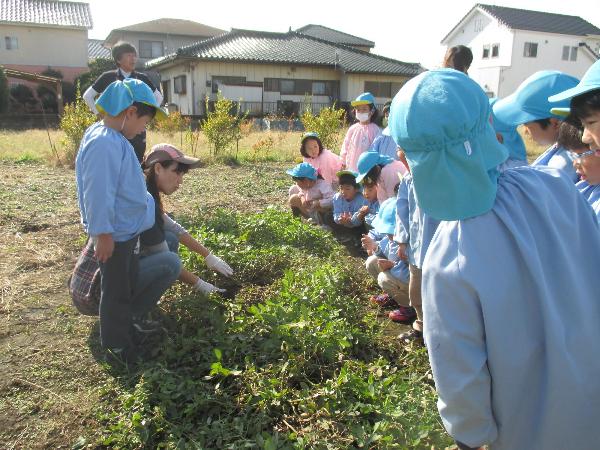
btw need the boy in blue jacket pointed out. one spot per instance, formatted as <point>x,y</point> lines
<point>114,204</point>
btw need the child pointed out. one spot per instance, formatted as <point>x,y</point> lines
<point>165,167</point>
<point>384,265</point>
<point>348,201</point>
<point>585,106</point>
<point>502,342</point>
<point>361,135</point>
<point>413,233</point>
<point>509,137</point>
<point>114,204</point>
<point>384,144</point>
<point>369,211</point>
<point>529,106</point>
<point>311,196</point>
<point>458,57</point>
<point>384,171</point>
<point>325,161</point>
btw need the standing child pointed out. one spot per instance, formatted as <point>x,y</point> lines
<point>381,170</point>
<point>327,163</point>
<point>585,106</point>
<point>114,204</point>
<point>361,135</point>
<point>348,202</point>
<point>384,144</point>
<point>311,196</point>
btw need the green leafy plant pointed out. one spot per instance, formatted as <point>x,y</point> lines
<point>76,118</point>
<point>221,128</point>
<point>327,124</point>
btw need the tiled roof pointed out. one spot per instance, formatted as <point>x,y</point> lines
<point>288,48</point>
<point>96,50</point>
<point>339,37</point>
<point>522,19</point>
<point>46,12</point>
<point>173,26</point>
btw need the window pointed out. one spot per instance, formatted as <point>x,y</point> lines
<point>478,25</point>
<point>486,52</point>
<point>12,43</point>
<point>286,86</point>
<point>530,50</point>
<point>569,53</point>
<point>271,85</point>
<point>318,88</point>
<point>495,50</point>
<point>573,53</point>
<point>179,84</point>
<point>151,49</point>
<point>302,87</point>
<point>216,80</point>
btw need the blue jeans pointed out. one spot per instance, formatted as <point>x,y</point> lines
<point>157,272</point>
<point>172,241</point>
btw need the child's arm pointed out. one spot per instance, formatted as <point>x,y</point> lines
<point>401,233</point>
<point>338,211</point>
<point>357,218</point>
<point>326,200</point>
<point>344,150</point>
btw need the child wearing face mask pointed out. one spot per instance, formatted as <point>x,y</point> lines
<point>361,135</point>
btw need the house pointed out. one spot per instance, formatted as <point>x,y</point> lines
<point>97,50</point>
<point>276,72</point>
<point>339,37</point>
<point>37,34</point>
<point>509,44</point>
<point>160,37</point>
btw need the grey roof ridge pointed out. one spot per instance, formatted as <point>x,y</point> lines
<point>184,51</point>
<point>337,31</point>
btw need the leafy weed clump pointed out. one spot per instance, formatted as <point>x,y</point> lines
<point>294,360</point>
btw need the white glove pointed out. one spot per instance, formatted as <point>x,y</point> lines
<point>215,263</point>
<point>206,288</point>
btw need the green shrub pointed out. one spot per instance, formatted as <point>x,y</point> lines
<point>221,128</point>
<point>96,68</point>
<point>76,118</point>
<point>3,91</point>
<point>327,124</point>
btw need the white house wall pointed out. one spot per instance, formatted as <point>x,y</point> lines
<point>476,32</point>
<point>355,85</point>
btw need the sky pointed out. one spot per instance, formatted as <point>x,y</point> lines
<point>408,31</point>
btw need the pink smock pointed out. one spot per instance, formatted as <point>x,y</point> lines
<point>328,164</point>
<point>358,140</point>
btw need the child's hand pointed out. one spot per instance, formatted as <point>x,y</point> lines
<point>384,264</point>
<point>402,252</point>
<point>363,211</point>
<point>306,203</point>
<point>346,218</point>
<point>368,243</point>
<point>104,247</point>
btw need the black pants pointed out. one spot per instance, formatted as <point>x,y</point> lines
<point>119,275</point>
<point>139,145</point>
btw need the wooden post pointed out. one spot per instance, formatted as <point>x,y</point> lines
<point>59,98</point>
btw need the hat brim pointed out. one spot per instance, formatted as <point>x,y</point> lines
<point>161,114</point>
<point>508,111</point>
<point>194,163</point>
<point>360,102</point>
<point>573,92</point>
<point>563,112</point>
<point>346,172</point>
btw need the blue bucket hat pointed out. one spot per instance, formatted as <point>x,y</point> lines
<point>368,160</point>
<point>366,98</point>
<point>589,82</point>
<point>120,95</point>
<point>530,101</point>
<point>512,139</point>
<point>303,170</point>
<point>385,220</point>
<point>441,120</point>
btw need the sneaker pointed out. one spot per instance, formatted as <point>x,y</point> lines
<point>145,326</point>
<point>404,314</point>
<point>413,335</point>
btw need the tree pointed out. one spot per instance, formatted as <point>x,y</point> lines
<point>327,124</point>
<point>221,128</point>
<point>97,67</point>
<point>4,94</point>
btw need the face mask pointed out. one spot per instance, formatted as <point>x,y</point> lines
<point>363,117</point>
<point>123,124</point>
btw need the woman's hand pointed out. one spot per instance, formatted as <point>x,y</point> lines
<point>104,247</point>
<point>215,263</point>
<point>206,288</point>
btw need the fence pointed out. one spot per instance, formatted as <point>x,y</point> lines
<point>28,121</point>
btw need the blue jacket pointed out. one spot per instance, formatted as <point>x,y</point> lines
<point>592,195</point>
<point>341,205</point>
<point>111,189</point>
<point>388,249</point>
<point>558,157</point>
<point>413,226</point>
<point>373,209</point>
<point>385,145</point>
<point>513,338</point>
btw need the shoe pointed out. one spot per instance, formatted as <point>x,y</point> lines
<point>145,326</point>
<point>404,314</point>
<point>382,300</point>
<point>123,357</point>
<point>413,335</point>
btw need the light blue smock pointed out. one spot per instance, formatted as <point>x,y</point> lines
<point>592,194</point>
<point>341,205</point>
<point>373,210</point>
<point>111,189</point>
<point>388,249</point>
<point>512,318</point>
<point>385,145</point>
<point>413,226</point>
<point>558,157</point>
